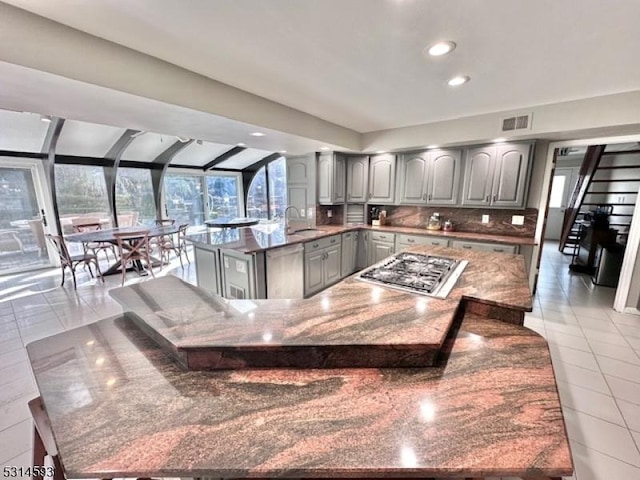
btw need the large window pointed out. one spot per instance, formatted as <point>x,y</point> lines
<point>223,197</point>
<point>258,205</point>
<point>81,191</point>
<point>257,196</point>
<point>184,198</point>
<point>134,197</point>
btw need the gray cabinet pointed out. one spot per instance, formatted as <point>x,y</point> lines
<point>382,178</point>
<point>331,178</point>
<point>496,175</point>
<point>382,245</point>
<point>322,263</point>
<point>207,269</point>
<point>484,247</point>
<point>349,253</point>
<point>362,249</point>
<point>357,179</point>
<point>430,178</point>
<point>404,241</point>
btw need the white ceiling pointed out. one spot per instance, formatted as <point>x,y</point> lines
<point>147,147</point>
<point>87,139</point>
<point>21,132</point>
<point>244,159</point>
<point>198,155</point>
<point>359,63</point>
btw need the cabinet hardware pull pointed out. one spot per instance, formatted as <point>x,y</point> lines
<point>333,240</point>
<point>348,196</point>
<point>498,249</point>
<point>315,245</point>
<point>370,194</point>
<point>494,198</point>
<point>429,197</point>
<point>424,196</point>
<point>466,246</point>
<point>487,199</point>
<point>410,240</point>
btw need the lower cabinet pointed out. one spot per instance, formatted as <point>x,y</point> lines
<point>349,253</point>
<point>322,263</point>
<point>484,247</point>
<point>382,245</point>
<point>208,269</point>
<point>404,241</point>
<point>243,276</point>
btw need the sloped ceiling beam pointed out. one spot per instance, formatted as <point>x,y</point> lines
<point>225,156</point>
<point>157,174</point>
<point>49,149</point>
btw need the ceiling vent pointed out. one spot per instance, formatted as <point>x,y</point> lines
<point>516,123</point>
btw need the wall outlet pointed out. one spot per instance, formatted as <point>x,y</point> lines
<point>517,219</point>
<point>485,218</point>
<point>329,213</point>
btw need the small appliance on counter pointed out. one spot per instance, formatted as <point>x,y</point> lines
<point>434,222</point>
<point>378,217</point>
<point>448,226</point>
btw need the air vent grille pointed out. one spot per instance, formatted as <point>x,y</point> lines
<point>355,214</point>
<point>236,292</point>
<point>516,122</point>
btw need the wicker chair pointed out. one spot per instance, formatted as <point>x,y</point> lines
<point>72,261</point>
<point>134,247</point>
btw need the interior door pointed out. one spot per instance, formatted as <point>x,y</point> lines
<point>561,189</point>
<point>22,221</point>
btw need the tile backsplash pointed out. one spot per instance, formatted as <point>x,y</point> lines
<point>464,219</point>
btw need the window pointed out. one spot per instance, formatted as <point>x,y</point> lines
<point>273,207</point>
<point>277,187</point>
<point>222,191</point>
<point>257,196</point>
<point>184,197</point>
<point>81,191</point>
<point>134,196</point>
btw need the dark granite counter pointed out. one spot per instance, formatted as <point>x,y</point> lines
<point>350,324</point>
<point>268,236</point>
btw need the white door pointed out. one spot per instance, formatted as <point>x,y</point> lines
<point>561,190</point>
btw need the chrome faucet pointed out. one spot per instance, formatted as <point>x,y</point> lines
<point>286,217</point>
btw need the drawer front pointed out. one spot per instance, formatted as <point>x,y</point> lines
<point>383,236</point>
<point>320,243</point>
<point>485,247</point>
<point>409,240</point>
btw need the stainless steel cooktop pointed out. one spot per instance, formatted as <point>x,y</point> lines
<point>416,273</point>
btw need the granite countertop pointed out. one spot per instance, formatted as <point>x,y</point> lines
<point>120,407</point>
<point>267,236</point>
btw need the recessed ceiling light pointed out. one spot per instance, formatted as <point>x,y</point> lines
<point>432,146</point>
<point>283,151</point>
<point>257,134</point>
<point>45,118</point>
<point>381,151</point>
<point>459,80</point>
<point>241,144</point>
<point>325,148</point>
<point>441,48</point>
<point>499,140</point>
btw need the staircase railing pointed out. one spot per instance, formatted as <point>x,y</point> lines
<point>587,169</point>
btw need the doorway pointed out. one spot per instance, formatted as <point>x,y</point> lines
<point>562,185</point>
<point>22,220</point>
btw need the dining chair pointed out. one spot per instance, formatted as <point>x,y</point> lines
<point>92,225</point>
<point>133,246</point>
<point>165,222</point>
<point>177,245</point>
<point>72,261</point>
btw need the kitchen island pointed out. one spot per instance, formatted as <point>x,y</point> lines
<point>121,406</point>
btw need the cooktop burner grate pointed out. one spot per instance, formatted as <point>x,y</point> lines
<point>414,272</point>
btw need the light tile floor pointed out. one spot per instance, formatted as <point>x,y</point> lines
<point>595,352</point>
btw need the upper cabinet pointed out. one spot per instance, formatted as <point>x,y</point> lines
<point>431,177</point>
<point>357,179</point>
<point>331,178</point>
<point>382,178</point>
<point>496,176</point>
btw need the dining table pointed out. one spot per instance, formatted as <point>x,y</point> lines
<point>109,236</point>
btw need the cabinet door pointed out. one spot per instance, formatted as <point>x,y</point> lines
<point>382,178</point>
<point>313,272</point>
<point>237,277</point>
<point>444,177</point>
<point>354,251</point>
<point>357,179</point>
<point>207,270</point>
<point>325,178</point>
<point>332,270</point>
<point>347,253</point>
<point>339,178</point>
<point>510,176</point>
<point>413,173</point>
<point>380,251</point>
<point>362,256</point>
<point>478,176</point>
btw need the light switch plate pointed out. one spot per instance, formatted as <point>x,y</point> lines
<point>517,219</point>
<point>485,218</point>
<point>329,213</point>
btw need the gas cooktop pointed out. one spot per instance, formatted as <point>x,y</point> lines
<point>416,273</point>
